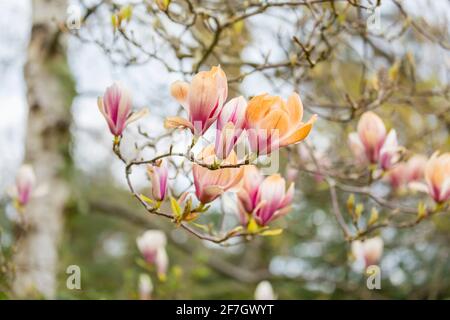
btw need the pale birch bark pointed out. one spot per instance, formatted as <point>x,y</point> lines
<point>50,92</point>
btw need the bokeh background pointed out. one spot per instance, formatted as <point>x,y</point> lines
<point>99,221</point>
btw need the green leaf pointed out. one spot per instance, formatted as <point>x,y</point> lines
<point>373,217</point>
<point>272,232</point>
<point>146,199</point>
<point>421,211</point>
<point>201,226</point>
<point>175,207</point>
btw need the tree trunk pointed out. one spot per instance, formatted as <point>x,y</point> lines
<point>50,93</point>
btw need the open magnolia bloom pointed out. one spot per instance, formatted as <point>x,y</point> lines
<point>230,125</point>
<point>203,100</point>
<point>437,177</point>
<point>371,144</point>
<point>390,151</point>
<point>158,174</point>
<point>115,106</point>
<point>263,199</point>
<point>152,245</point>
<point>404,173</point>
<point>248,193</point>
<point>272,123</point>
<point>210,184</point>
<point>369,251</point>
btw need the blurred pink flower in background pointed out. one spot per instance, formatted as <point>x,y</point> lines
<point>369,250</point>
<point>115,106</point>
<point>371,144</point>
<point>145,287</point>
<point>203,100</point>
<point>437,177</point>
<point>403,173</point>
<point>152,245</point>
<point>390,151</point>
<point>264,291</point>
<point>25,185</point>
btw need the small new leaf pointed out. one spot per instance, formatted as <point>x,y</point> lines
<point>421,211</point>
<point>272,232</point>
<point>146,199</point>
<point>175,207</point>
<point>373,216</point>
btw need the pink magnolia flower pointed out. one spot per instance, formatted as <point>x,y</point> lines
<point>248,193</point>
<point>390,151</point>
<point>152,245</point>
<point>158,174</point>
<point>25,184</point>
<point>437,177</point>
<point>115,106</point>
<point>145,287</point>
<point>404,173</point>
<point>371,144</point>
<point>210,184</point>
<point>264,291</point>
<point>357,148</point>
<point>372,133</point>
<point>264,199</point>
<point>272,123</point>
<point>369,251</point>
<point>230,125</point>
<point>274,200</point>
<point>203,99</point>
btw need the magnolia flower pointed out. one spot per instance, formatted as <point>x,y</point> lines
<point>390,151</point>
<point>203,99</point>
<point>248,193</point>
<point>210,184</point>
<point>25,184</point>
<point>272,123</point>
<point>230,125</point>
<point>437,177</point>
<point>152,245</point>
<point>274,200</point>
<point>264,291</point>
<point>407,172</point>
<point>291,174</point>
<point>158,174</point>
<point>369,251</point>
<point>264,199</point>
<point>115,106</point>
<point>371,143</point>
<point>357,148</point>
<point>145,287</point>
<point>372,133</point>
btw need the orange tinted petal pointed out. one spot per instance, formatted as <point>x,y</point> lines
<point>177,122</point>
<point>180,91</point>
<point>294,108</point>
<point>256,109</point>
<point>276,120</point>
<point>300,134</point>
